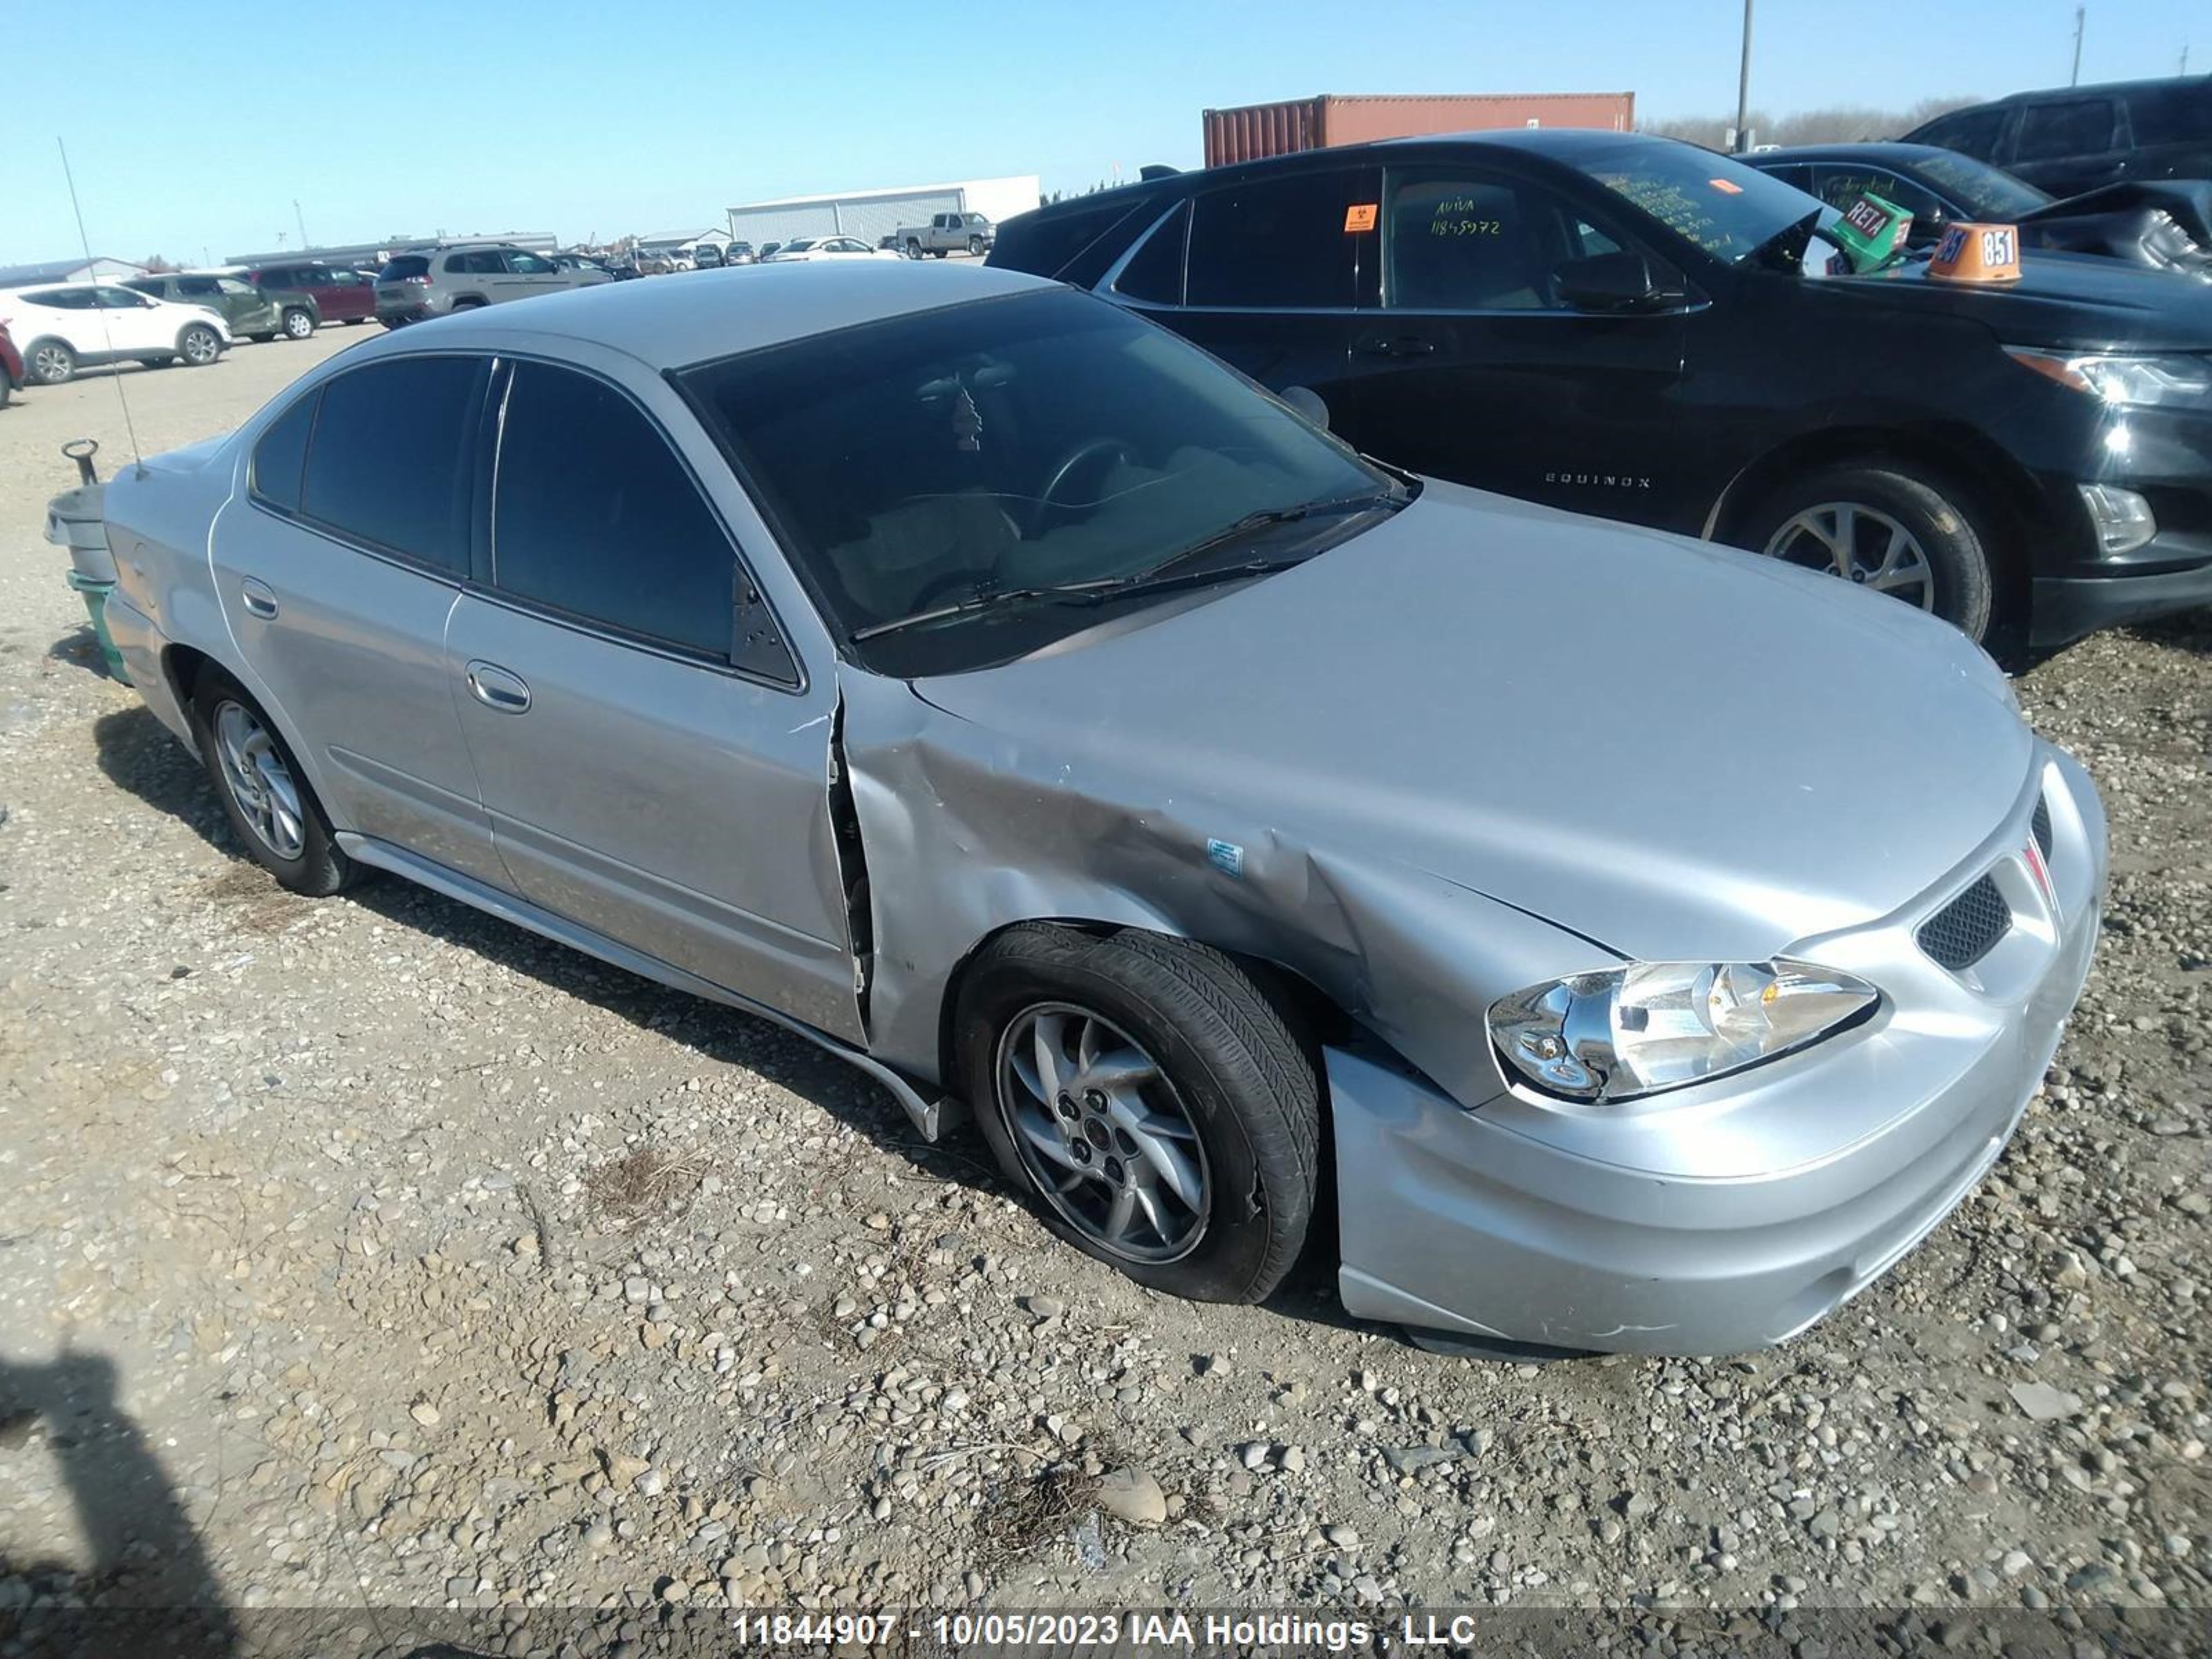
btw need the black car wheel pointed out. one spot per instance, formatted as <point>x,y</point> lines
<point>1157,1108</point>
<point>198,344</point>
<point>298,324</point>
<point>261,339</point>
<point>51,363</point>
<point>975,246</point>
<point>1885,526</point>
<point>264,794</point>
<point>913,248</point>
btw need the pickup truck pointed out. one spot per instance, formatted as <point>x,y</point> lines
<point>945,232</point>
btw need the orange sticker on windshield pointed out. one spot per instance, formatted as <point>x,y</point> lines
<point>1726,186</point>
<point>1360,216</point>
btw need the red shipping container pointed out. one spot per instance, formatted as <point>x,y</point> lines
<point>1254,130</point>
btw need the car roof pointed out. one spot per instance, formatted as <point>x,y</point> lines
<point>679,321</point>
<point>2096,90</point>
<point>1894,149</point>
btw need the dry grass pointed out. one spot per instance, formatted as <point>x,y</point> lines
<point>646,1181</point>
<point>1032,1515</point>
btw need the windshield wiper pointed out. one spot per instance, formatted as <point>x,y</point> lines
<point>1156,578</point>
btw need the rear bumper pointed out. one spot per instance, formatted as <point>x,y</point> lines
<point>1467,1221</point>
<point>142,646</point>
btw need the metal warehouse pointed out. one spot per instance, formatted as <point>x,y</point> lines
<point>872,214</point>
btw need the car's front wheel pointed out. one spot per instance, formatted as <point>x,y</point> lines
<point>975,246</point>
<point>264,793</point>
<point>51,363</point>
<point>199,345</point>
<point>1158,1110</point>
<point>1885,526</point>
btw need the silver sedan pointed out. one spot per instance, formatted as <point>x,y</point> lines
<point>1649,942</point>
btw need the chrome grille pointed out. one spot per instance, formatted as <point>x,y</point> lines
<point>2042,826</point>
<point>1967,929</point>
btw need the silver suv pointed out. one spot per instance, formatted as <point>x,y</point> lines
<point>460,277</point>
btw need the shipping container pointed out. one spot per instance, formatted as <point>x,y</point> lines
<point>1254,130</point>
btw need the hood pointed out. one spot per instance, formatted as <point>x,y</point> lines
<point>1672,749</point>
<point>2079,300</point>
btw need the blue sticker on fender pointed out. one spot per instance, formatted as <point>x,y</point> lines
<point>1227,857</point>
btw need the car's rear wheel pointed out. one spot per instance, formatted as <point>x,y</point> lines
<point>1885,526</point>
<point>298,324</point>
<point>51,363</point>
<point>199,345</point>
<point>1159,1112</point>
<point>264,792</point>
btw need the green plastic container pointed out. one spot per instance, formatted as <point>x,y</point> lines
<point>94,594</point>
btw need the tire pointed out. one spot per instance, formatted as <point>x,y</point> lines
<point>939,252</point>
<point>974,248</point>
<point>298,323</point>
<point>913,248</point>
<point>199,345</point>
<point>49,362</point>
<point>261,339</point>
<point>1237,1093</point>
<point>167,359</point>
<point>466,305</point>
<point>7,389</point>
<point>1952,576</point>
<point>314,866</point>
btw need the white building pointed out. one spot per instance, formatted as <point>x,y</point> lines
<point>872,214</point>
<point>98,269</point>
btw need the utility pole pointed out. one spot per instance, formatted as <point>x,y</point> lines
<point>301,222</point>
<point>1743,87</point>
<point>2081,14</point>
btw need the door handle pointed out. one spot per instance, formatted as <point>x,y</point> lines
<point>256,598</point>
<point>495,687</point>
<point>1409,345</point>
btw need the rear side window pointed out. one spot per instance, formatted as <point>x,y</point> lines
<point>2178,114</point>
<point>1971,132</point>
<point>281,457</point>
<point>1278,242</point>
<point>594,515</point>
<point>406,265</point>
<point>2081,126</point>
<point>1154,273</point>
<point>389,463</point>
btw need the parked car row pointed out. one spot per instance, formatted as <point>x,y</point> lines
<point>59,328</point>
<point>1481,877</point>
<point>1640,328</point>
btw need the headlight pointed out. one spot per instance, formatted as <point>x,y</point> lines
<point>1623,1032</point>
<point>2142,382</point>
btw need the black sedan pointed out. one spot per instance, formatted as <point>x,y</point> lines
<point>2164,223</point>
<point>1643,329</point>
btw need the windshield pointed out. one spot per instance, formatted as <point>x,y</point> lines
<point>1985,191</point>
<point>1038,439</point>
<point>1727,208</point>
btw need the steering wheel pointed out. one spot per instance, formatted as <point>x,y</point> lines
<point>1090,453</point>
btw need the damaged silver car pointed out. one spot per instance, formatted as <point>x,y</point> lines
<point>1644,944</point>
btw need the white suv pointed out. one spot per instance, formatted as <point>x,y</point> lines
<point>69,325</point>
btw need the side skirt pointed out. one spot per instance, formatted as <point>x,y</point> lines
<point>933,1114</point>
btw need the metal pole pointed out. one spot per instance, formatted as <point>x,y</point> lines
<point>2081,14</point>
<point>1743,87</point>
<point>298,220</point>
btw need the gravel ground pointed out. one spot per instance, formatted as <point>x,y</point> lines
<point>372,1253</point>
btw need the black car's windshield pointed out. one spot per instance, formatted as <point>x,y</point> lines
<point>923,469</point>
<point>1730,210</point>
<point>1985,191</point>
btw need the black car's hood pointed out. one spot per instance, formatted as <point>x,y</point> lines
<point>2070,300</point>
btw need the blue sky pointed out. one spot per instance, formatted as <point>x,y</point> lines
<point>193,130</point>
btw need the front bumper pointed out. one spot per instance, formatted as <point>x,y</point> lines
<point>1607,1236</point>
<point>2066,607</point>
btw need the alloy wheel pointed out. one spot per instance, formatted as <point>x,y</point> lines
<point>1103,1133</point>
<point>260,782</point>
<point>51,364</point>
<point>1860,543</point>
<point>201,346</point>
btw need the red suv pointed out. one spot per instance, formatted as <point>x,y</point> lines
<point>11,364</point>
<point>342,295</point>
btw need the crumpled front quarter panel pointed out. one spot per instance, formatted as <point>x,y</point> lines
<point>968,830</point>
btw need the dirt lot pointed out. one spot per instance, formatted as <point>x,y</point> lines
<point>372,1253</point>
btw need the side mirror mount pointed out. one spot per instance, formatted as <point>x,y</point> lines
<point>1307,401</point>
<point>1617,281</point>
